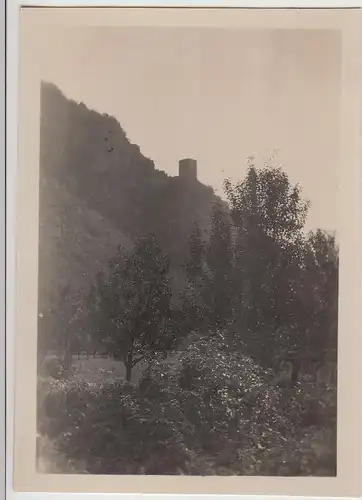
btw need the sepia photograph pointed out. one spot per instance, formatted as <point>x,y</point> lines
<point>188,272</point>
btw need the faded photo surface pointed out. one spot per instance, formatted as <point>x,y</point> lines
<point>187,264</point>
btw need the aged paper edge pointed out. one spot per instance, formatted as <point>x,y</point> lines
<point>39,21</point>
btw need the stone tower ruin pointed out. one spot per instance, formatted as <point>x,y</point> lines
<point>188,169</point>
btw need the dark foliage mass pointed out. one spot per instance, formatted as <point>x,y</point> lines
<point>227,310</point>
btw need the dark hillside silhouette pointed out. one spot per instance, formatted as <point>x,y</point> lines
<point>97,191</point>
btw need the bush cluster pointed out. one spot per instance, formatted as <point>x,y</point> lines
<point>210,411</point>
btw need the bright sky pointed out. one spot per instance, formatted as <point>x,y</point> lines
<point>216,95</point>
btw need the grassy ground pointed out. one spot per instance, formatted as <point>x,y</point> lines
<point>98,369</point>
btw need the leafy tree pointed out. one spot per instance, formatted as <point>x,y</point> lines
<point>266,200</point>
<point>320,295</point>
<point>133,304</point>
<point>269,214</point>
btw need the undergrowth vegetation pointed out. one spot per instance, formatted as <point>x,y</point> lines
<point>207,412</point>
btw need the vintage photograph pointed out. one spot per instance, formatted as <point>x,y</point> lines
<point>189,224</point>
<point>188,266</point>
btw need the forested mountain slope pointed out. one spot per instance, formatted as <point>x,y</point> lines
<point>97,191</point>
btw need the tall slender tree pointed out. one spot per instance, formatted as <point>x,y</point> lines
<point>319,295</point>
<point>195,306</point>
<point>220,265</point>
<point>269,214</point>
<point>195,264</point>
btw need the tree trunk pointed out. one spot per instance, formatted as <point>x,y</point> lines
<point>128,363</point>
<point>129,369</point>
<point>67,355</point>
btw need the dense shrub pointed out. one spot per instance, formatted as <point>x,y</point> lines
<point>311,404</point>
<point>209,411</point>
<point>109,428</point>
